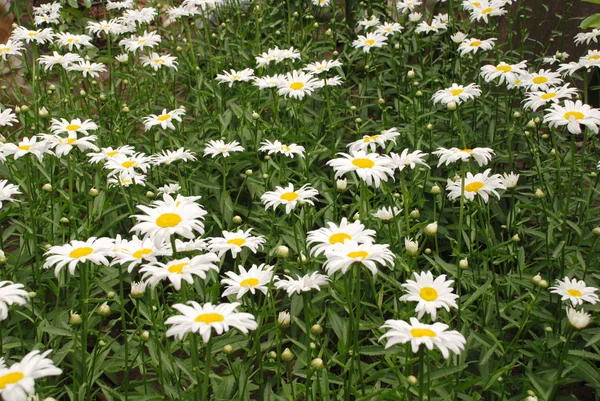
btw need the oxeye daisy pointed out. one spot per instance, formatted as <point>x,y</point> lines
<point>219,147</point>
<point>342,256</point>
<point>407,5</point>
<point>234,242</point>
<point>510,180</point>
<point>128,164</point>
<point>69,40</point>
<point>289,197</point>
<point>270,56</point>
<point>40,36</point>
<point>232,76</point>
<point>321,3</point>
<point>573,115</point>
<point>332,235</point>
<point>535,100</point>
<point>66,60</point>
<point>147,40</point>
<point>388,28</point>
<point>93,69</point>
<point>472,45</point>
<point>137,251</point>
<point>487,9</point>
<point>322,66</point>
<point>126,179</point>
<point>108,27</point>
<point>306,283</point>
<point>430,335</point>
<point>405,159</point>
<point>542,80</point>
<point>269,81</point>
<point>169,189</point>
<point>287,54</point>
<point>370,167</point>
<point>278,147</point>
<point>169,156</point>
<point>142,16</point>
<point>371,141</point>
<point>73,126</point>
<point>257,278</point>
<point>431,294</point>
<point>11,293</point>
<point>18,381</point>
<point>387,213</point>
<point>10,48</point>
<point>447,156</point>
<point>369,41</point>
<point>587,37</point>
<point>94,250</point>
<point>62,146</point>
<point>575,291</point>
<point>7,190</point>
<point>119,5</point>
<point>504,71</point>
<point>202,318</point>
<point>27,146</point>
<point>7,117</point>
<point>297,84</point>
<point>481,184</point>
<point>170,216</point>
<point>369,23</point>
<point>456,94</point>
<point>180,269</point>
<point>198,244</point>
<point>578,319</point>
<point>157,61</point>
<point>569,68</point>
<point>164,119</point>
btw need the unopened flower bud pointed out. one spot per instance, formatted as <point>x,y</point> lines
<point>74,319</point>
<point>436,189</point>
<point>317,363</point>
<point>381,101</point>
<point>412,380</point>
<point>102,96</point>
<point>415,214</point>
<point>537,120</point>
<point>43,112</point>
<point>531,124</point>
<point>429,126</point>
<point>249,172</point>
<point>102,343</point>
<point>464,263</point>
<point>341,185</point>
<point>410,74</point>
<point>432,228</point>
<point>149,194</point>
<point>103,310</point>
<point>358,120</point>
<point>578,319</point>
<point>272,354</point>
<point>451,106</point>
<point>125,109</point>
<point>537,278</point>
<point>93,192</point>
<point>145,336</point>
<point>418,93</point>
<point>110,294</point>
<point>284,319</point>
<point>282,251</point>
<point>64,220</point>
<point>82,92</point>
<point>32,294</point>
<point>546,136</point>
<point>543,284</point>
<point>352,108</point>
<point>237,219</point>
<point>316,329</point>
<point>548,329</point>
<point>427,251</point>
<point>516,114</point>
<point>287,355</point>
<point>227,349</point>
<point>596,230</point>
<point>25,108</point>
<point>516,238</point>
<point>265,176</point>
<point>539,193</point>
<point>255,115</point>
<point>47,187</point>
<point>356,216</point>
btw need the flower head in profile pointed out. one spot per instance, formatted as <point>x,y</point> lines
<point>257,278</point>
<point>234,242</point>
<point>587,37</point>
<point>297,84</point>
<point>219,147</point>
<point>169,156</point>
<point>369,41</point>
<point>448,156</point>
<point>232,76</point>
<point>66,60</point>
<point>107,27</point>
<point>575,291</point>
<point>538,99</point>
<point>406,159</point>
<point>306,283</point>
<point>18,381</point>
<point>289,197</point>
<point>388,28</point>
<point>7,191</point>
<point>387,213</point>
<point>40,36</point>
<point>94,250</point>
<point>147,40</point>
<point>319,67</point>
<point>504,72</point>
<point>11,293</point>
<point>10,48</point>
<point>484,9</point>
<point>278,147</point>
<point>180,269</point>
<point>578,319</point>
<point>62,146</point>
<point>510,180</point>
<point>66,39</point>
<point>86,67</point>
<point>7,117</point>
<point>473,45</point>
<point>370,167</point>
<point>417,333</point>
<point>137,251</point>
<point>431,294</point>
<point>482,184</point>
<point>456,94</point>
<point>573,115</point>
<point>407,5</point>
<point>196,318</point>
<point>157,61</point>
<point>333,235</point>
<point>165,120</point>
<point>371,141</point>
<point>342,256</point>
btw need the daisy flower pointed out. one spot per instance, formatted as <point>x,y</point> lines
<point>10,48</point>
<point>142,16</point>
<point>7,190</point>
<point>575,291</point>
<point>371,141</point>
<point>472,45</point>
<point>458,37</point>
<point>270,56</point>
<point>18,381</point>
<point>126,179</point>
<point>136,251</point>
<point>232,76</point>
<point>269,81</point>
<point>93,69</point>
<point>587,37</point>
<point>321,3</point>
<point>46,19</point>
<point>106,27</point>
<point>504,71</point>
<point>405,159</point>
<point>127,164</point>
<point>11,293</point>
<point>389,28</point>
<point>94,250</point>
<point>424,27</point>
<point>418,333</point>
<point>297,84</point>
<point>556,58</point>
<point>234,242</point>
<point>257,278</point>
<point>170,156</point>
<point>415,16</point>
<point>321,66</point>
<point>456,94</point>
<point>387,213</point>
<point>578,319</point>
<point>569,68</point>
<point>165,120</point>
<point>147,40</point>
<point>407,5</point>
<point>447,156</point>
<point>180,269</point>
<point>573,115</point>
<point>510,180</point>
<point>342,256</point>
<point>278,147</point>
<point>62,146</point>
<point>47,8</point>
<point>40,36</point>
<point>66,39</point>
<point>203,318</point>
<point>7,117</point>
<point>108,153</point>
<point>198,244</point>
<point>157,61</point>
<point>219,147</point>
<point>170,216</point>
<point>306,283</point>
<point>591,59</point>
<point>542,80</point>
<point>118,5</point>
<point>370,167</point>
<point>431,294</point>
<point>371,40</point>
<point>481,184</point>
<point>332,235</point>
<point>27,146</point>
<point>73,126</point>
<point>289,197</point>
<point>65,60</point>
<point>287,54</point>
<point>487,9</point>
<point>535,100</point>
<point>369,23</point>
<point>169,189</point>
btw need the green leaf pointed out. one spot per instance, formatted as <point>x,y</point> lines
<point>592,1</point>
<point>73,3</point>
<point>593,21</point>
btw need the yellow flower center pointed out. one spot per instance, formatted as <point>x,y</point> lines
<point>72,127</point>
<point>24,147</point>
<point>339,238</point>
<point>369,42</point>
<point>159,61</point>
<point>178,268</point>
<point>296,86</point>
<point>504,68</point>
<point>476,3</point>
<point>209,318</point>
<point>81,252</point>
<point>250,282</point>
<point>456,92</point>
<point>474,186</point>
<point>467,150</point>
<point>126,181</point>
<point>164,117</point>
<point>289,196</point>
<point>574,293</point>
<point>129,163</point>
<point>286,148</point>
<point>113,153</point>
<point>321,68</point>
<point>236,241</point>
<point>70,40</point>
<point>71,141</point>
<point>141,41</point>
<point>168,220</point>
<point>476,43</point>
<point>422,333</point>
<point>428,294</point>
<point>32,34</point>
<point>594,57</point>
<point>371,138</point>
<point>10,378</point>
<point>363,163</point>
<point>487,10</point>
<point>141,252</point>
<point>574,114</point>
<point>547,96</point>
<point>539,80</point>
<point>358,254</point>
